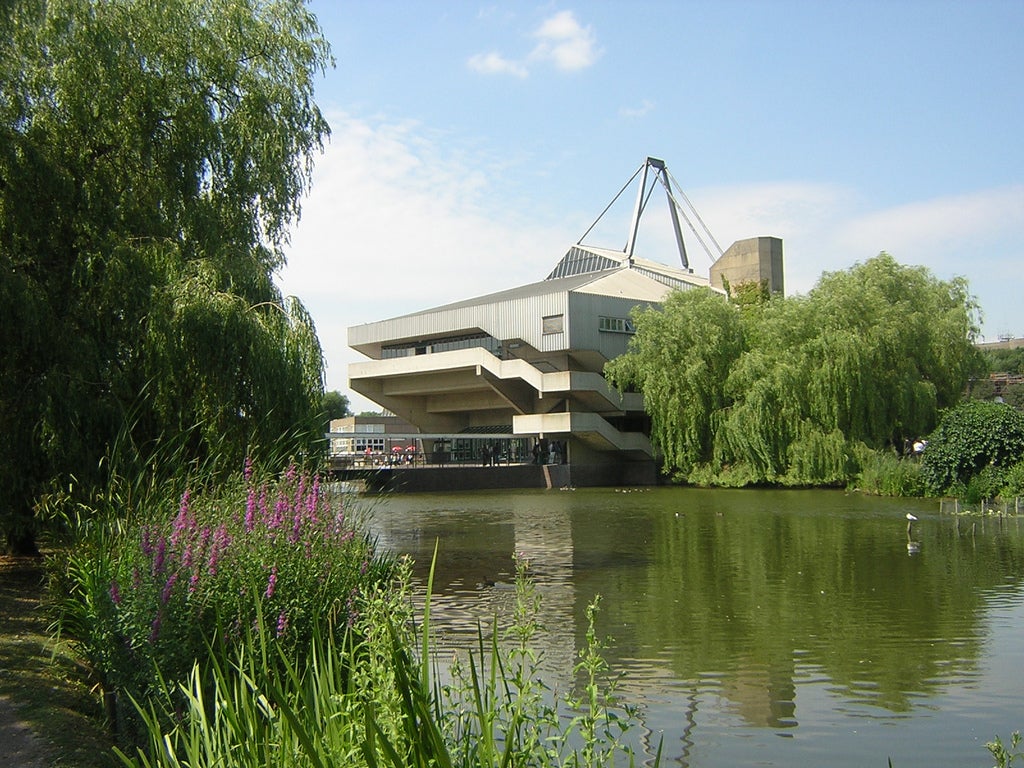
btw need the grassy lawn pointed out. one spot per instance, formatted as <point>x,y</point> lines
<point>42,680</point>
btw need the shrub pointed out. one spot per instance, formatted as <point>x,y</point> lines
<point>1013,482</point>
<point>193,582</point>
<point>969,437</point>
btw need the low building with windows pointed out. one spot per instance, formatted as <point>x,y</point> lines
<point>524,367</point>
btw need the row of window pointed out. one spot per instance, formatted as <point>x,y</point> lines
<point>549,325</point>
<point>489,343</point>
<point>616,325</point>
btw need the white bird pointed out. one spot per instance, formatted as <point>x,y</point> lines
<point>912,546</point>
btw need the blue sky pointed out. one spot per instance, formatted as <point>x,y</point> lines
<point>472,143</point>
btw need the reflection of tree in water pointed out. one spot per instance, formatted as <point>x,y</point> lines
<point>725,613</point>
<point>746,591</point>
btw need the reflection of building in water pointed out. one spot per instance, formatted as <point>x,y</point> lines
<point>546,540</point>
<point>763,697</point>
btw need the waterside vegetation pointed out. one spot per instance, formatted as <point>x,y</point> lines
<point>834,388</point>
<point>253,624</point>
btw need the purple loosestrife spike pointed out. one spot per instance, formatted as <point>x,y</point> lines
<point>271,583</point>
<point>115,593</point>
<point>165,594</point>
<point>250,510</point>
<point>282,623</point>
<point>300,493</point>
<point>313,500</point>
<point>158,559</point>
<point>263,503</point>
<point>279,509</point>
<point>154,628</point>
<point>247,473</point>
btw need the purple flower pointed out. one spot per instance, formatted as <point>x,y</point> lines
<point>313,500</point>
<point>263,503</point>
<point>282,623</point>
<point>115,592</point>
<point>250,510</point>
<point>248,469</point>
<point>221,540</point>
<point>165,594</point>
<point>154,628</point>
<point>271,583</point>
<point>161,553</point>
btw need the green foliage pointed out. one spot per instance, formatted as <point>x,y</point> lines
<point>679,357</point>
<point>152,157</point>
<point>367,700</point>
<point>144,604</point>
<point>783,390</point>
<point>886,474</point>
<point>1005,758</point>
<point>971,437</point>
<point>1004,360</point>
<point>1013,482</point>
<point>334,405</point>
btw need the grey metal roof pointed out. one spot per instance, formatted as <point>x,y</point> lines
<point>609,262</point>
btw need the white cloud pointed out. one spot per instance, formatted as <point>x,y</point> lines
<point>564,42</point>
<point>396,223</point>
<point>561,41</point>
<point>494,63</point>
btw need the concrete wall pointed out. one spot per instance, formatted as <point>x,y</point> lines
<point>757,259</point>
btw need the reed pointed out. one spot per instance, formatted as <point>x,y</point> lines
<point>373,699</point>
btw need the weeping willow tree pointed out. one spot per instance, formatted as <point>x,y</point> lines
<point>679,358</point>
<point>152,160</point>
<point>866,360</point>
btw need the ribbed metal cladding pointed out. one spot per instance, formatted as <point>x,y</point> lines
<point>579,261</point>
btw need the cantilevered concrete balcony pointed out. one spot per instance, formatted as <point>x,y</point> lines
<point>458,389</point>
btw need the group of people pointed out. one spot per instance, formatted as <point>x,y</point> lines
<point>549,452</point>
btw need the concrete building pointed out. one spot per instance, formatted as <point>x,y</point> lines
<point>522,369</point>
<point>755,260</point>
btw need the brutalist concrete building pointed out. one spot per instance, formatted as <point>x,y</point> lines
<point>518,373</point>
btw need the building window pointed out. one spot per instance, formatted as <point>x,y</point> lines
<point>616,325</point>
<point>553,324</point>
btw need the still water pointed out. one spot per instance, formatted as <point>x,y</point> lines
<point>773,628</point>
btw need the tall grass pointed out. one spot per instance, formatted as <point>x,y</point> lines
<point>886,474</point>
<point>372,700</point>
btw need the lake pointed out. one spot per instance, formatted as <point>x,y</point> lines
<point>773,628</point>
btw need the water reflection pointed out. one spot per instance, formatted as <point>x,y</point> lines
<point>774,611</point>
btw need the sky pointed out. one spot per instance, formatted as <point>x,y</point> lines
<point>473,143</point>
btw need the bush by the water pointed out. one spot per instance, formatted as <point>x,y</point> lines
<point>192,582</point>
<point>973,445</point>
